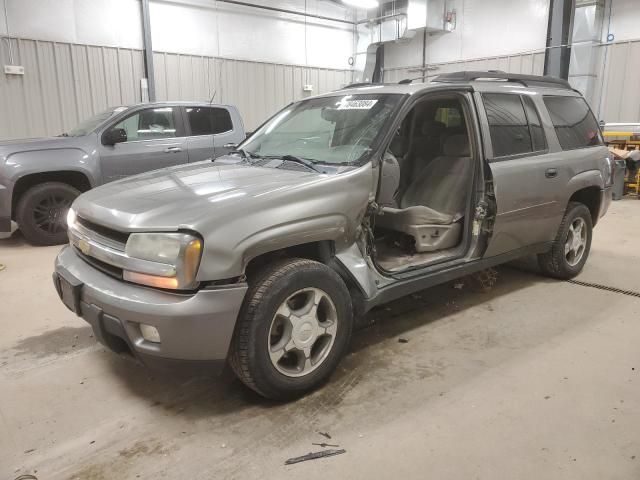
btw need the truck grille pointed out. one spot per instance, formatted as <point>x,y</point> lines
<point>101,240</point>
<point>104,233</point>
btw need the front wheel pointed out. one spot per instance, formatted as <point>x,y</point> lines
<point>42,212</point>
<point>571,247</point>
<point>293,328</point>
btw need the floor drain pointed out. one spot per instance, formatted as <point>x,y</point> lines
<point>606,288</point>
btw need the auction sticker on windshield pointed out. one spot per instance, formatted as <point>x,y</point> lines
<point>356,104</point>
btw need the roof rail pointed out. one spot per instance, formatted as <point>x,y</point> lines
<point>360,84</point>
<point>407,81</point>
<point>526,80</point>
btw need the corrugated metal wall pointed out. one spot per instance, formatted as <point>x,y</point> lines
<point>617,93</point>
<point>65,83</point>
<point>529,63</point>
<point>257,89</point>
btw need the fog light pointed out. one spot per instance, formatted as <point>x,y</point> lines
<point>149,333</point>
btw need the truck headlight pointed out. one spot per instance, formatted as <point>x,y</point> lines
<point>181,251</point>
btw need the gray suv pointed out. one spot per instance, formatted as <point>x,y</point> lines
<point>338,203</point>
<point>40,178</point>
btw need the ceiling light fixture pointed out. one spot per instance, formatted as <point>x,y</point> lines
<point>361,3</point>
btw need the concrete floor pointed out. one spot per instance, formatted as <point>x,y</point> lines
<point>536,379</point>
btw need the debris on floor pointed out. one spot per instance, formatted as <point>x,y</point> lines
<point>315,455</point>
<point>324,445</point>
<point>403,340</point>
<point>325,435</point>
<point>2,267</point>
<point>484,280</point>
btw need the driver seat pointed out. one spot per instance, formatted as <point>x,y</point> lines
<point>433,205</point>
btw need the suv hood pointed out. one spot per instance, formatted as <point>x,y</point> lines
<point>185,197</point>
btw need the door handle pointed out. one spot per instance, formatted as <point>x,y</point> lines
<point>172,150</point>
<point>551,173</point>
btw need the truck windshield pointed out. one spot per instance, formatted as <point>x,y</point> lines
<point>89,125</point>
<point>331,130</point>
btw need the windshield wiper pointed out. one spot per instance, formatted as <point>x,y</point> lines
<point>300,160</point>
<point>246,155</point>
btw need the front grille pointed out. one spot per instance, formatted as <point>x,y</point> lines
<point>102,241</point>
<point>107,233</point>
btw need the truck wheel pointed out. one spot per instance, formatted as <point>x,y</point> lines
<point>294,326</point>
<point>571,247</point>
<point>42,212</point>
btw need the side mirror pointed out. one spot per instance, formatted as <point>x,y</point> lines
<point>113,136</point>
<point>231,146</point>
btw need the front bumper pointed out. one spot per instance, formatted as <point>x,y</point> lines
<point>194,328</point>
<point>5,209</point>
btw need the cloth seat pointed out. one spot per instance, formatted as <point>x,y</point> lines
<point>435,201</point>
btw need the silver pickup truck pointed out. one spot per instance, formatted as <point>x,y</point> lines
<point>39,178</point>
<point>338,203</point>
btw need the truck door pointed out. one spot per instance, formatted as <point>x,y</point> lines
<point>528,178</point>
<point>155,139</point>
<point>210,128</point>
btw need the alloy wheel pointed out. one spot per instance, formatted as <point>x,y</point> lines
<point>576,242</point>
<point>302,332</point>
<point>50,214</point>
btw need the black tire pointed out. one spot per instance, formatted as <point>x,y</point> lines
<point>249,355</point>
<point>554,263</point>
<point>42,212</point>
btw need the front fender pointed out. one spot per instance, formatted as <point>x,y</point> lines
<point>20,164</point>
<point>327,227</point>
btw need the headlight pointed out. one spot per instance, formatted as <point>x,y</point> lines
<point>178,250</point>
<point>71,217</point>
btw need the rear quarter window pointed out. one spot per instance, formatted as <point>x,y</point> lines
<point>575,125</point>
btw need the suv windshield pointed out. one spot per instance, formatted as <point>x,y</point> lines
<point>331,130</point>
<point>90,124</point>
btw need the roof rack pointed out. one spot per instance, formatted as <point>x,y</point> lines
<point>360,84</point>
<point>526,80</point>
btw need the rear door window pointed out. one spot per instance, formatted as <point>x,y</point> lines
<point>508,125</point>
<point>209,120</point>
<point>574,123</point>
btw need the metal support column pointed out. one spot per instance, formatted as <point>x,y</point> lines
<point>558,53</point>
<point>148,51</point>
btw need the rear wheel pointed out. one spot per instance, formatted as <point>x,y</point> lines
<point>42,212</point>
<point>293,329</point>
<point>571,247</point>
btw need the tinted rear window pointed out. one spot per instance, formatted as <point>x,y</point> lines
<point>575,125</point>
<point>507,124</point>
<point>209,120</point>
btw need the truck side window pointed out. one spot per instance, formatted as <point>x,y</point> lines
<point>209,120</point>
<point>507,124</point>
<point>149,124</point>
<point>574,123</point>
